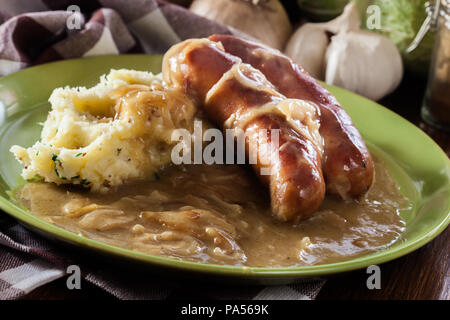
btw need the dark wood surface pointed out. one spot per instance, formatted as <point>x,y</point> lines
<point>423,274</point>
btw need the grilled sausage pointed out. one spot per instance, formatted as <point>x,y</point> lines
<point>347,165</point>
<point>235,95</point>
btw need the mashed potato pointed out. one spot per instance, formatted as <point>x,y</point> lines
<point>100,137</point>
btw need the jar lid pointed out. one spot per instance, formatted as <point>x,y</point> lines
<point>434,10</point>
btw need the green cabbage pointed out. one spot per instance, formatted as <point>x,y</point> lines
<point>400,21</point>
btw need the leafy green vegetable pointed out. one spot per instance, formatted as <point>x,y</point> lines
<point>85,182</point>
<point>400,21</point>
<point>36,178</point>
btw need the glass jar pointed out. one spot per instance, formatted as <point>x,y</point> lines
<point>436,105</point>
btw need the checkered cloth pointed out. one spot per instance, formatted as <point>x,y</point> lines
<point>102,27</point>
<point>37,31</point>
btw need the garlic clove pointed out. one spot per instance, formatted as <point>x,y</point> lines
<point>363,62</point>
<point>348,21</point>
<point>307,47</point>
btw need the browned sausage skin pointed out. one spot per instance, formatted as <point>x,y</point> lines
<point>347,164</point>
<point>219,82</point>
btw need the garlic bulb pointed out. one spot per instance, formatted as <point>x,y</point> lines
<point>363,62</point>
<point>308,45</point>
<point>265,20</point>
<point>309,49</point>
<point>342,54</point>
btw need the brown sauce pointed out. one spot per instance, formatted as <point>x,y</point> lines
<point>220,214</point>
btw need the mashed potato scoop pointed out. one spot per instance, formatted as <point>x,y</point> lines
<point>102,136</point>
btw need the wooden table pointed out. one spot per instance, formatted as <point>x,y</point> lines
<point>423,274</point>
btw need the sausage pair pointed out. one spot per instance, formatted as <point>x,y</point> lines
<point>253,97</point>
<point>347,164</point>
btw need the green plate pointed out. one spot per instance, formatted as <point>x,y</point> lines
<point>419,166</point>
